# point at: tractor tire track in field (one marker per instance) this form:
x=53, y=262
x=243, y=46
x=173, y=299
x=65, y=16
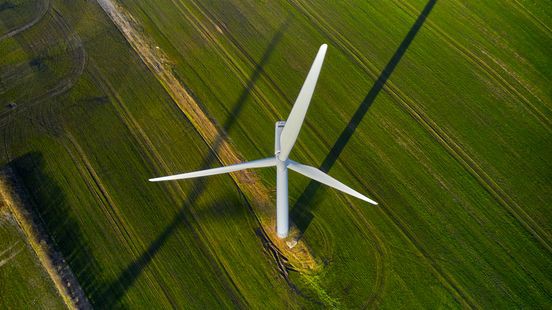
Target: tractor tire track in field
x=79, y=55
x=44, y=6
x=10, y=253
x=434, y=130
x=260, y=97
x=483, y=66
x=155, y=160
x=530, y=16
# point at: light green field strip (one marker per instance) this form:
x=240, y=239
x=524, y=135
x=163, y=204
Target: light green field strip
x=537, y=12
x=474, y=187
x=449, y=143
x=542, y=116
x=23, y=281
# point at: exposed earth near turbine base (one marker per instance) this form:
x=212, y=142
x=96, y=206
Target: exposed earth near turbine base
x=438, y=110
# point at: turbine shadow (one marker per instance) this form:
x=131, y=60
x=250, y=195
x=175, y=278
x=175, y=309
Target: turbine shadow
x=302, y=213
x=115, y=290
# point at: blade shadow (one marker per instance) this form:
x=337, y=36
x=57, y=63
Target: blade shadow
x=302, y=212
x=112, y=292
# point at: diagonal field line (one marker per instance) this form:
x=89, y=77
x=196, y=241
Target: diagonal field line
x=255, y=191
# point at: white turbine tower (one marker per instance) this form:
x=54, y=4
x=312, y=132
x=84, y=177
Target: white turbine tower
x=286, y=134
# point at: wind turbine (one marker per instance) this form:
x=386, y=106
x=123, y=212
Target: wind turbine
x=286, y=134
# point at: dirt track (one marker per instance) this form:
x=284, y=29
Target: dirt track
x=15, y=197
x=258, y=195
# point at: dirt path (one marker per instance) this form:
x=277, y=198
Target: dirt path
x=257, y=194
x=14, y=195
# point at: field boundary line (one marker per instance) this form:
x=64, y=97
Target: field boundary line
x=438, y=134
x=41, y=14
x=539, y=23
x=14, y=195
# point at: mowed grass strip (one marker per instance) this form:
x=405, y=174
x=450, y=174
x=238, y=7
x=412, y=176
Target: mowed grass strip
x=440, y=181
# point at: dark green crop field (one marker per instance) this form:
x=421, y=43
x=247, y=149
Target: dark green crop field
x=439, y=110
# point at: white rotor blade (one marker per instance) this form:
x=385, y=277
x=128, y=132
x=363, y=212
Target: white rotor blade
x=297, y=114
x=320, y=176
x=260, y=163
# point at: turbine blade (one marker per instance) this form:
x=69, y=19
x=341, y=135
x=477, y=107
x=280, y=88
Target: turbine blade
x=320, y=176
x=297, y=114
x=260, y=163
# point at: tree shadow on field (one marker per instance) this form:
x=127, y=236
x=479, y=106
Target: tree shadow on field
x=49, y=208
x=302, y=213
x=112, y=293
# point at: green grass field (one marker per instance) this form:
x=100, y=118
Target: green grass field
x=439, y=110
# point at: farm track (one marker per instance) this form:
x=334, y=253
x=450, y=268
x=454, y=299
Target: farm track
x=261, y=97
x=79, y=55
x=258, y=195
x=155, y=159
x=434, y=130
x=481, y=64
x=17, y=200
x=45, y=5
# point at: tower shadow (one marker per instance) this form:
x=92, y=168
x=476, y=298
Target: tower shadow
x=111, y=293
x=302, y=213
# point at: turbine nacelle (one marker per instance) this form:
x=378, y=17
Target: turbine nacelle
x=278, y=130
x=286, y=133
